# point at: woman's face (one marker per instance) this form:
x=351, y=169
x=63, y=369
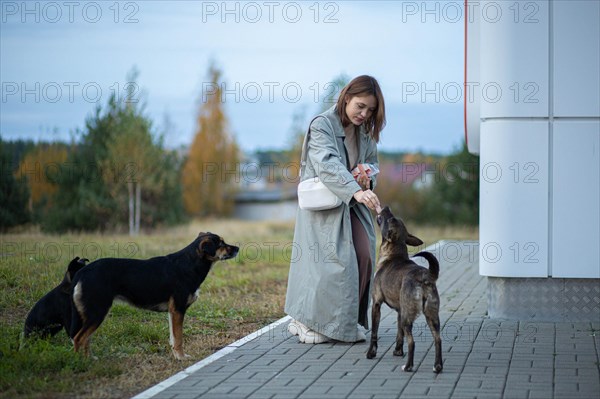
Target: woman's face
x=360, y=108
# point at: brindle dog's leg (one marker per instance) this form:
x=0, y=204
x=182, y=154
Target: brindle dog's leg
x=434, y=325
x=407, y=326
x=431, y=311
x=399, y=350
x=375, y=316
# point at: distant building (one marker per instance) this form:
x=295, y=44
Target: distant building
x=266, y=192
x=418, y=175
x=273, y=204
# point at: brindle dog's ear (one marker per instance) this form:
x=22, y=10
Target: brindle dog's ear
x=207, y=246
x=413, y=241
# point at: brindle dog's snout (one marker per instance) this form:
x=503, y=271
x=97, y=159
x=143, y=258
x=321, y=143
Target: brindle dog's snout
x=384, y=215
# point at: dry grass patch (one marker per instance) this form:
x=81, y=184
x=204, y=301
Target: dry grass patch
x=237, y=298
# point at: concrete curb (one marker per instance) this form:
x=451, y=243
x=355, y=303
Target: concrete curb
x=161, y=386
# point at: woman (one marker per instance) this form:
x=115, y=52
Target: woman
x=334, y=250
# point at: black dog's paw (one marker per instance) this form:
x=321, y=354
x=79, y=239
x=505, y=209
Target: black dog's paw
x=437, y=368
x=407, y=368
x=371, y=354
x=399, y=352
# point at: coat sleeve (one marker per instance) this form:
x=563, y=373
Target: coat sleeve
x=326, y=162
x=373, y=158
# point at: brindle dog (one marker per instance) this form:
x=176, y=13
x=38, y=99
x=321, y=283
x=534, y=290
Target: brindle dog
x=405, y=287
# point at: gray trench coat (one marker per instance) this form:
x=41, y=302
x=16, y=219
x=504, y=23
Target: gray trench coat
x=323, y=291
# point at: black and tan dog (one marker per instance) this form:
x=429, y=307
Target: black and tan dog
x=406, y=287
x=53, y=311
x=165, y=284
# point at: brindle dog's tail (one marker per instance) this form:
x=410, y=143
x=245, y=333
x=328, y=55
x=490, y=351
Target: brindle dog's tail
x=434, y=265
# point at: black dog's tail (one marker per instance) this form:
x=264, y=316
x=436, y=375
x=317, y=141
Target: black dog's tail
x=434, y=265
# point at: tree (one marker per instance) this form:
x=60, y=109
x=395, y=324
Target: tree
x=331, y=91
x=211, y=169
x=102, y=186
x=454, y=197
x=298, y=131
x=39, y=169
x=13, y=194
x=131, y=158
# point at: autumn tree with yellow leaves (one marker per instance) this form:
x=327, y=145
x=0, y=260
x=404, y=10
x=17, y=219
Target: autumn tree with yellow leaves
x=40, y=168
x=210, y=175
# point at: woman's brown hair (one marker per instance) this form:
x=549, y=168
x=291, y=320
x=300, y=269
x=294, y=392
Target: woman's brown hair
x=364, y=85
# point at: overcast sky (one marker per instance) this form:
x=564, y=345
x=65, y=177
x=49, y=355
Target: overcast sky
x=59, y=60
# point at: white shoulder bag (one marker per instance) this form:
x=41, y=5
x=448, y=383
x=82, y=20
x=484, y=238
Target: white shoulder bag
x=313, y=195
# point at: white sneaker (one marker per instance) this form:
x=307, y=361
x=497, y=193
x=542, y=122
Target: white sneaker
x=313, y=337
x=293, y=327
x=360, y=336
x=305, y=334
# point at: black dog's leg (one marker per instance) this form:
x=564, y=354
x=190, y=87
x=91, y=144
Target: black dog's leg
x=66, y=317
x=91, y=322
x=407, y=326
x=90, y=307
x=76, y=322
x=434, y=325
x=81, y=341
x=399, y=350
x=176, y=316
x=375, y=316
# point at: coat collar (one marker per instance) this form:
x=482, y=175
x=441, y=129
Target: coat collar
x=336, y=123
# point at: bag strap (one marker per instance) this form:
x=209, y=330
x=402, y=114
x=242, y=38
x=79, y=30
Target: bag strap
x=305, y=143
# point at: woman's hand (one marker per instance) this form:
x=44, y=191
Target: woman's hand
x=369, y=198
x=361, y=176
x=363, y=181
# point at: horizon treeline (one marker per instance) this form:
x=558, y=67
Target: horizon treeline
x=119, y=175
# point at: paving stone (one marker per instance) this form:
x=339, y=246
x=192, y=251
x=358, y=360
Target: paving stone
x=483, y=358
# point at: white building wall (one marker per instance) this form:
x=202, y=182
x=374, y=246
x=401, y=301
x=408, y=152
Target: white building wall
x=539, y=139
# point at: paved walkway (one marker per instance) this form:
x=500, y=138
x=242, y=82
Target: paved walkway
x=483, y=358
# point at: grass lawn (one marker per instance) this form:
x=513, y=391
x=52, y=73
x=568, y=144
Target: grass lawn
x=131, y=347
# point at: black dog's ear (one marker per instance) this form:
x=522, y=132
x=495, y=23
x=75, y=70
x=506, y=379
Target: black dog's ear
x=74, y=266
x=207, y=246
x=413, y=241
